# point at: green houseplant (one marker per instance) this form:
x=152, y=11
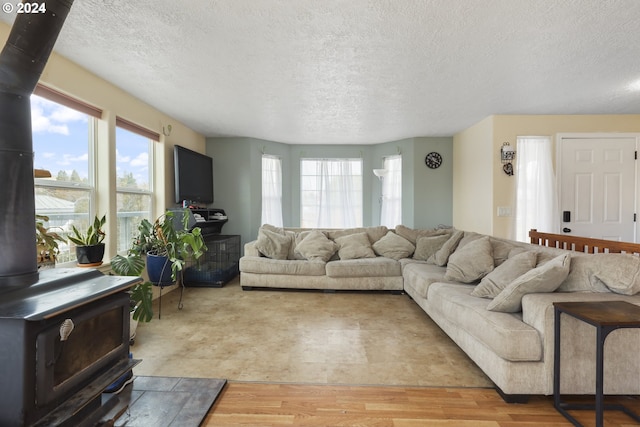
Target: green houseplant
x=46, y=243
x=167, y=238
x=89, y=246
x=172, y=241
x=141, y=295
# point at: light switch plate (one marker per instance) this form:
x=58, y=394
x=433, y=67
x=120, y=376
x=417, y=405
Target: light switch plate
x=504, y=210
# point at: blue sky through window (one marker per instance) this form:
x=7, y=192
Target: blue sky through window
x=60, y=138
x=61, y=143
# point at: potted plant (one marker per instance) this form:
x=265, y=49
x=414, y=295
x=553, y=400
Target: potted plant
x=141, y=295
x=89, y=246
x=167, y=244
x=46, y=243
x=171, y=241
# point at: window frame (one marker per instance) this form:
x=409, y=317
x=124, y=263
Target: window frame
x=93, y=115
x=152, y=138
x=357, y=221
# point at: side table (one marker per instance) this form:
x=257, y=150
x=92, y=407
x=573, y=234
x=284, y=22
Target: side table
x=606, y=316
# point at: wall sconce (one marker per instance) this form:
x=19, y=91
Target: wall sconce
x=507, y=155
x=380, y=173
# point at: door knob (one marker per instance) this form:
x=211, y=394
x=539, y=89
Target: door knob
x=566, y=230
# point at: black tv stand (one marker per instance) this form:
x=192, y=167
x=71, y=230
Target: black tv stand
x=212, y=222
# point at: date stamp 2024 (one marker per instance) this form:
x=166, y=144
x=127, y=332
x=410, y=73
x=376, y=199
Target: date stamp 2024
x=30, y=7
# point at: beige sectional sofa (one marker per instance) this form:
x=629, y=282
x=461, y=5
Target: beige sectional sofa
x=493, y=297
x=294, y=271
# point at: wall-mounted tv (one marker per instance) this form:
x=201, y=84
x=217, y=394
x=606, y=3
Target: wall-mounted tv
x=193, y=176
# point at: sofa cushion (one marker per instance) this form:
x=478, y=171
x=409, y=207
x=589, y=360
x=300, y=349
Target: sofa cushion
x=365, y=267
x=493, y=283
x=413, y=235
x=261, y=265
x=442, y=255
x=427, y=246
x=274, y=245
x=504, y=333
x=355, y=246
x=316, y=246
x=546, y=278
x=470, y=262
x=393, y=246
x=420, y=276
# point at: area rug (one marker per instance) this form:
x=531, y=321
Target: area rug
x=354, y=338
x=165, y=402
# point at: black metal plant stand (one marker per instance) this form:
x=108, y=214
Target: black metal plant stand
x=180, y=301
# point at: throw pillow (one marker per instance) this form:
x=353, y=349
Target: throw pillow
x=581, y=276
x=442, y=255
x=621, y=273
x=393, y=246
x=427, y=246
x=299, y=237
x=280, y=230
x=468, y=237
x=316, y=247
x=273, y=245
x=374, y=233
x=493, y=283
x=502, y=250
x=471, y=262
x=355, y=246
x=413, y=235
x=545, y=278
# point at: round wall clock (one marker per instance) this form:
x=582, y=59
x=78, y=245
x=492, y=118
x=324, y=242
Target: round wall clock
x=433, y=160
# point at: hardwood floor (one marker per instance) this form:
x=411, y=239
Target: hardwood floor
x=259, y=404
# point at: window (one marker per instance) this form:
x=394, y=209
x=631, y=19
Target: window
x=63, y=141
x=134, y=189
x=331, y=193
x=271, y=191
x=391, y=206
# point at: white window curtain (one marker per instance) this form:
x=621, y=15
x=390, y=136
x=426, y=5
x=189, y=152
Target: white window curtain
x=536, y=194
x=272, y=191
x=391, y=199
x=331, y=193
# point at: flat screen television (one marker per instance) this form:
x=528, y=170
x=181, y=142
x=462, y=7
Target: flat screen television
x=193, y=176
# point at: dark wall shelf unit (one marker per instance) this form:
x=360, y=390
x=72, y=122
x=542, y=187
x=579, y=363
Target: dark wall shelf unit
x=210, y=221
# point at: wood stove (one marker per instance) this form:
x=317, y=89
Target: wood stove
x=51, y=376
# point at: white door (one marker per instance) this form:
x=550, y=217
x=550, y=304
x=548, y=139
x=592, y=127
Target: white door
x=598, y=187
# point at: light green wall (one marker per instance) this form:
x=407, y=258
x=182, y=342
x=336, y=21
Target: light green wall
x=426, y=193
x=232, y=182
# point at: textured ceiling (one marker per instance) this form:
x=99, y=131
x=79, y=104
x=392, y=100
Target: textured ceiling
x=358, y=71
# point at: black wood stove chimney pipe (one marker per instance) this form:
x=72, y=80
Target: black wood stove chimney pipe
x=22, y=61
